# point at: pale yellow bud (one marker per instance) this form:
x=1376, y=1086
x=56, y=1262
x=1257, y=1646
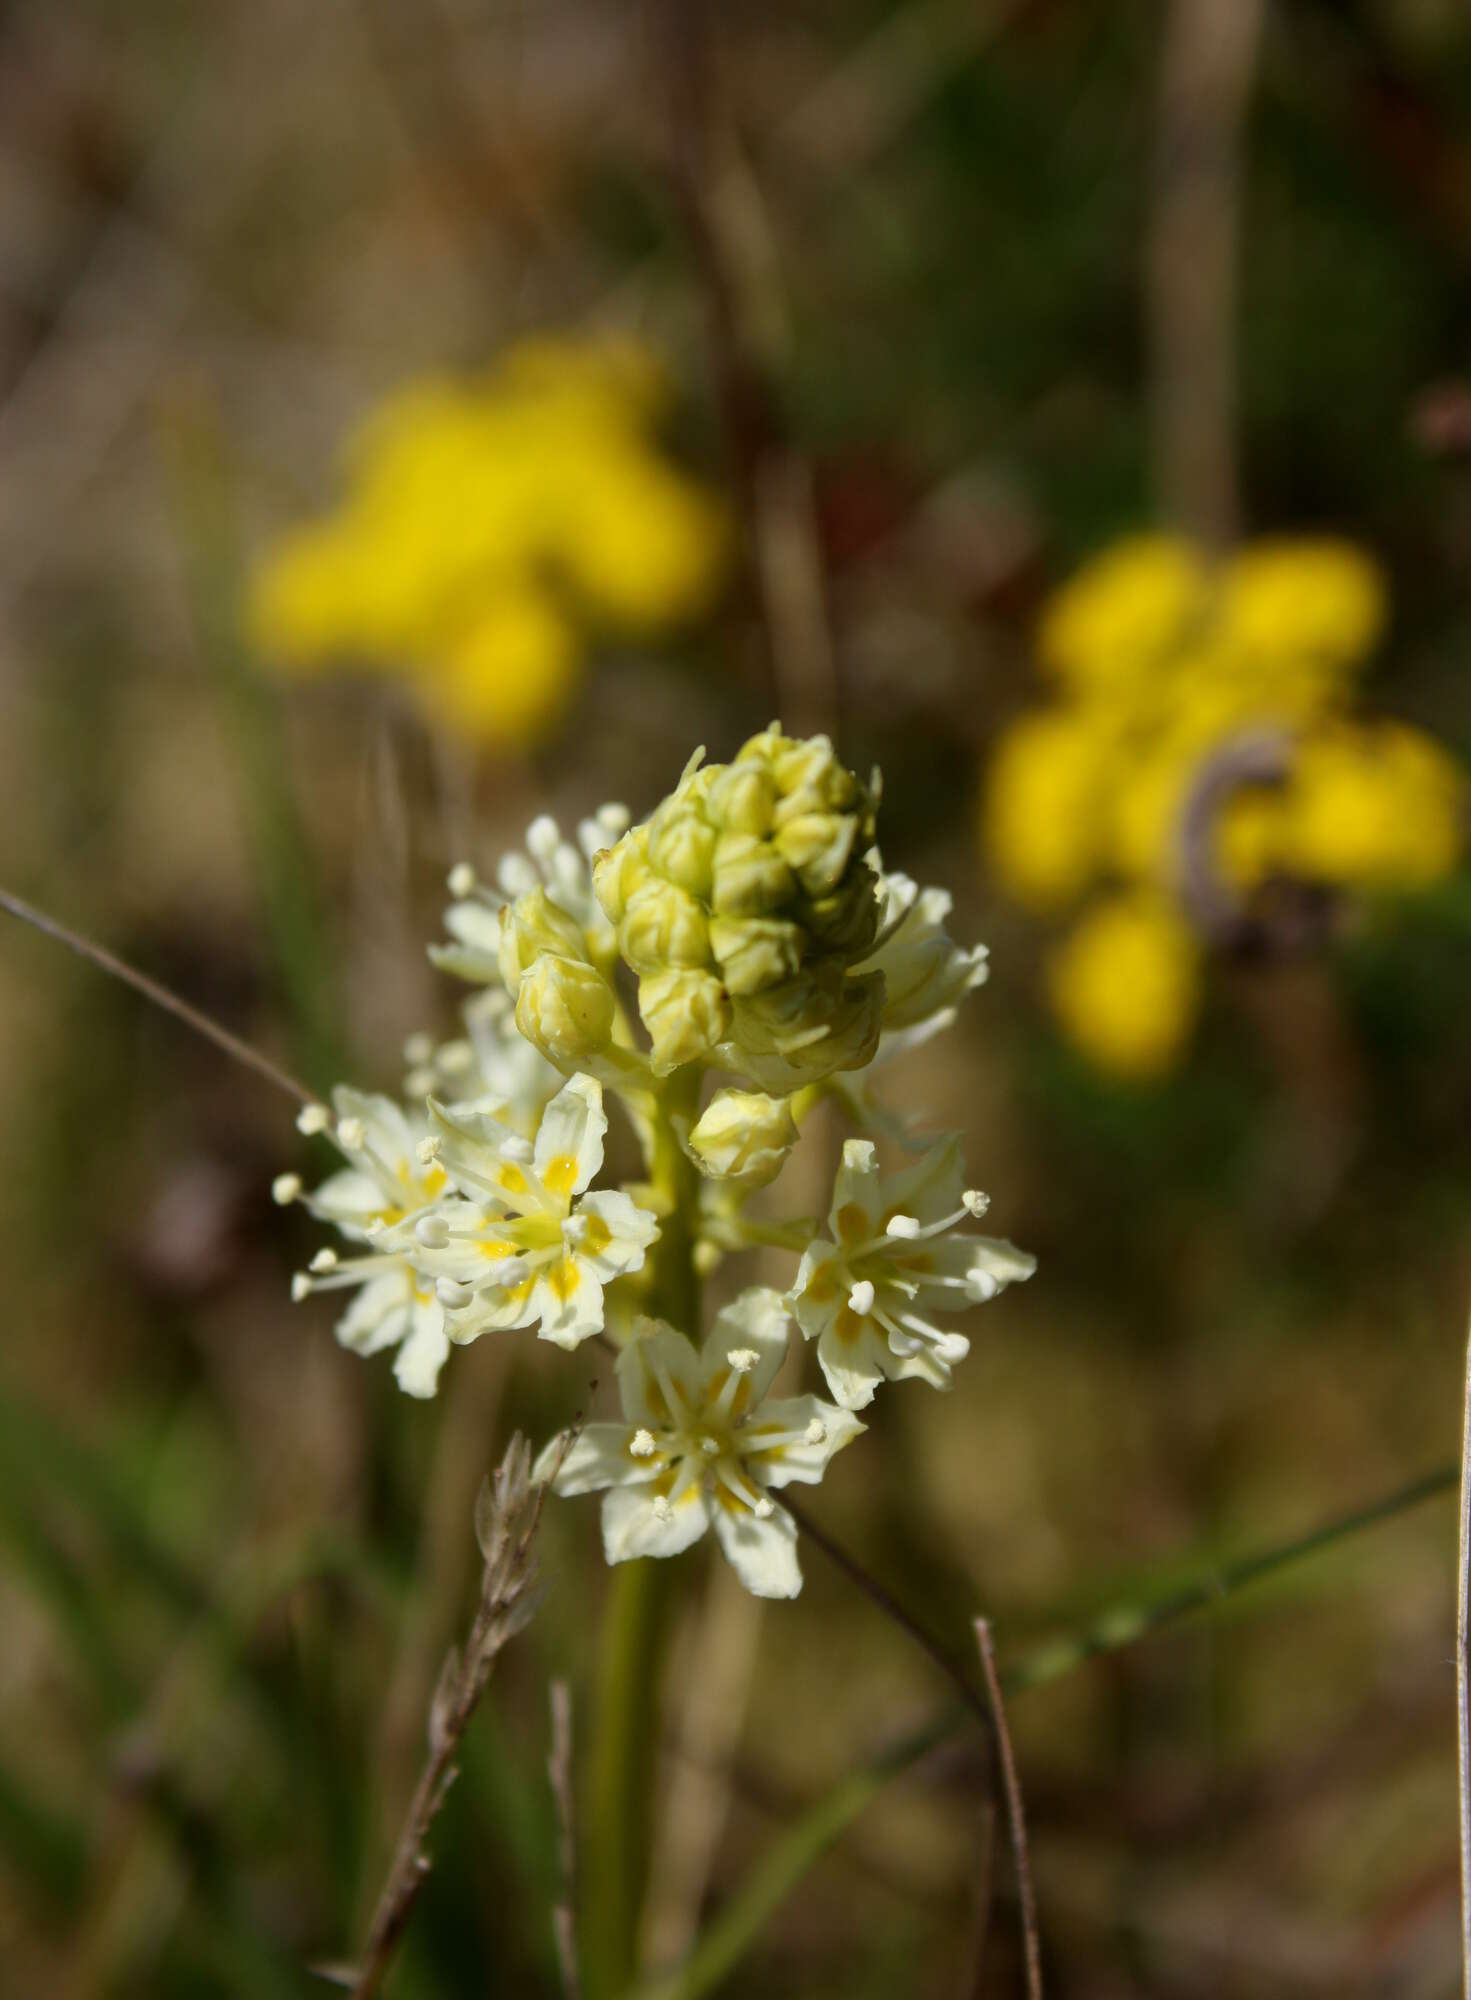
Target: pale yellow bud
x=755, y=952
x=814, y=1024
x=532, y=926
x=686, y=1013
x=565, y=1008
x=617, y=871
x=743, y=1134
x=743, y=797
x=818, y=846
x=681, y=848
x=663, y=927
x=751, y=879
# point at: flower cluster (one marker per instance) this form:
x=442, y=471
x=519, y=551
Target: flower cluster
x=489, y=527
x=746, y=930
x=1167, y=668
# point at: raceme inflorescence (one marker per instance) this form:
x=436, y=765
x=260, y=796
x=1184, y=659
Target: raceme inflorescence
x=715, y=972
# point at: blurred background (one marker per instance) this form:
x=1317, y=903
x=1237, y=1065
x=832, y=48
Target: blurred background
x=417, y=417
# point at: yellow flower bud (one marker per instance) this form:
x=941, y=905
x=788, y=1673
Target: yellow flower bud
x=686, y=1013
x=821, y=1021
x=565, y=1008
x=818, y=846
x=754, y=952
x=532, y=926
x=749, y=879
x=681, y=848
x=664, y=926
x=743, y=1134
x=617, y=871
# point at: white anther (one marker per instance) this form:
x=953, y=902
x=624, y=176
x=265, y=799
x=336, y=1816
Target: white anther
x=574, y=1231
x=419, y=1083
x=301, y=1286
x=710, y=1445
x=463, y=880
x=613, y=819
x=515, y=875
x=642, y=1445
x=313, y=1118
x=419, y=1049
x=427, y=1150
x=285, y=1188
x=512, y=1271
x=860, y=1299
x=325, y=1260
x=662, y=1509
x=351, y=1133
x=543, y=837
x=816, y=1432
x=975, y=1203
x=763, y=1510
x=743, y=1359
x=515, y=1149
x=983, y=1286
x=905, y=1226
x=432, y=1231
x=452, y=1295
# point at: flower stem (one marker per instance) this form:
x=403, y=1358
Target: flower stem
x=625, y=1723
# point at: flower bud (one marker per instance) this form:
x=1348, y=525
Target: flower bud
x=663, y=926
x=814, y=1024
x=755, y=952
x=743, y=1134
x=750, y=877
x=686, y=1013
x=565, y=1008
x=681, y=848
x=818, y=847
x=534, y=925
x=618, y=870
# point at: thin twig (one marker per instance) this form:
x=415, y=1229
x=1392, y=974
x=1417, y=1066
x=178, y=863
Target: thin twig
x=731, y=240
x=160, y=996
x=1015, y=1812
x=1209, y=59
x=506, y=1517
x=1463, y=1685
x=891, y=1608
x=559, y=1775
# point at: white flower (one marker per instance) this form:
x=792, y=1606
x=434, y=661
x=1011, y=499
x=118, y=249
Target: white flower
x=926, y=974
x=526, y=1243
x=702, y=1445
x=550, y=862
x=490, y=1068
x=895, y=1259
x=387, y=1184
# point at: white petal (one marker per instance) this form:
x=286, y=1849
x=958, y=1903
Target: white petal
x=350, y=1199
x=424, y=1350
x=806, y=1461
x=658, y=1377
x=494, y=1309
x=820, y=1290
x=855, y=1191
x=381, y=1314
x=631, y=1230
x=632, y=1526
x=569, y=1145
x=763, y=1554
x=932, y=1187
x=757, y=1320
x=854, y=1367
x=994, y=1264
x=599, y=1457
x=571, y=1311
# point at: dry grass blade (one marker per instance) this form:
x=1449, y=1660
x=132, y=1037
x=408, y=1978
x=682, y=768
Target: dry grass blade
x=559, y=1774
x=507, y=1512
x=1015, y=1812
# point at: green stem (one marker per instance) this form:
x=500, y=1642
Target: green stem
x=625, y=1728
x=784, y=1864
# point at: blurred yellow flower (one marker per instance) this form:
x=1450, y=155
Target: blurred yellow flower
x=493, y=527
x=1164, y=663
x=1125, y=984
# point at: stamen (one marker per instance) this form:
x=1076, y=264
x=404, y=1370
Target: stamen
x=432, y=1231
x=455, y=1058
x=816, y=1432
x=419, y=1049
x=906, y=1227
x=642, y=1445
x=463, y=880
x=860, y=1299
x=763, y=1509
x=543, y=837
x=743, y=1359
x=301, y=1287
x=662, y=1509
x=419, y=1083
x=351, y=1133
x=427, y=1151
x=452, y=1295
x=613, y=819
x=285, y=1188
x=516, y=875
x=325, y=1260
x=975, y=1202
x=312, y=1119
x=515, y=1149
